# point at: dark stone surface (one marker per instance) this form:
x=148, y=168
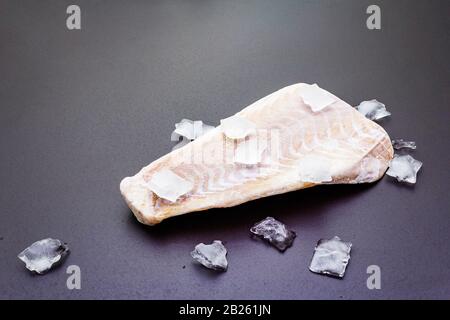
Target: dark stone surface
x=82, y=109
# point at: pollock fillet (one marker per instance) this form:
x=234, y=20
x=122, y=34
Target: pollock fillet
x=303, y=148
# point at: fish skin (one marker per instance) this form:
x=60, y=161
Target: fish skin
x=358, y=150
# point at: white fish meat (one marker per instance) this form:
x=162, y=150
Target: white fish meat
x=303, y=145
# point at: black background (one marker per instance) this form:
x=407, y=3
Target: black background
x=80, y=110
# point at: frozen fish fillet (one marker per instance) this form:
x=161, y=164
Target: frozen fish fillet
x=303, y=146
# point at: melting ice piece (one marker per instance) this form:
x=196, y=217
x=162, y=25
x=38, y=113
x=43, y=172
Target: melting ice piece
x=274, y=232
x=404, y=168
x=331, y=257
x=400, y=144
x=315, y=169
x=44, y=254
x=168, y=185
x=373, y=109
x=237, y=127
x=212, y=256
x=316, y=97
x=250, y=151
x=188, y=130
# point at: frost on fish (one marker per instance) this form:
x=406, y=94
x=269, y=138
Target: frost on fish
x=44, y=254
x=237, y=127
x=331, y=257
x=404, y=168
x=188, y=131
x=212, y=256
x=302, y=149
x=275, y=232
x=316, y=97
x=373, y=109
x=402, y=144
x=167, y=185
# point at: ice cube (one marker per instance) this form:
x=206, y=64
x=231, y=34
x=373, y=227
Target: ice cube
x=237, y=127
x=188, y=130
x=400, y=144
x=373, y=109
x=168, y=185
x=44, y=254
x=404, y=168
x=275, y=232
x=212, y=256
x=316, y=97
x=331, y=257
x=206, y=128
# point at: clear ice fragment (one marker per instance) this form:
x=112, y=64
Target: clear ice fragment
x=206, y=128
x=168, y=185
x=237, y=127
x=316, y=97
x=331, y=257
x=404, y=168
x=44, y=254
x=188, y=131
x=212, y=256
x=275, y=232
x=400, y=144
x=373, y=109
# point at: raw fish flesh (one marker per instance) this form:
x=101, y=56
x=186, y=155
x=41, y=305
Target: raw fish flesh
x=305, y=135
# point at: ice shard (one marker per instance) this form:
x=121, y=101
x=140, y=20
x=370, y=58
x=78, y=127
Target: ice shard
x=404, y=168
x=275, y=232
x=212, y=256
x=44, y=254
x=402, y=144
x=188, y=130
x=331, y=257
x=373, y=109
